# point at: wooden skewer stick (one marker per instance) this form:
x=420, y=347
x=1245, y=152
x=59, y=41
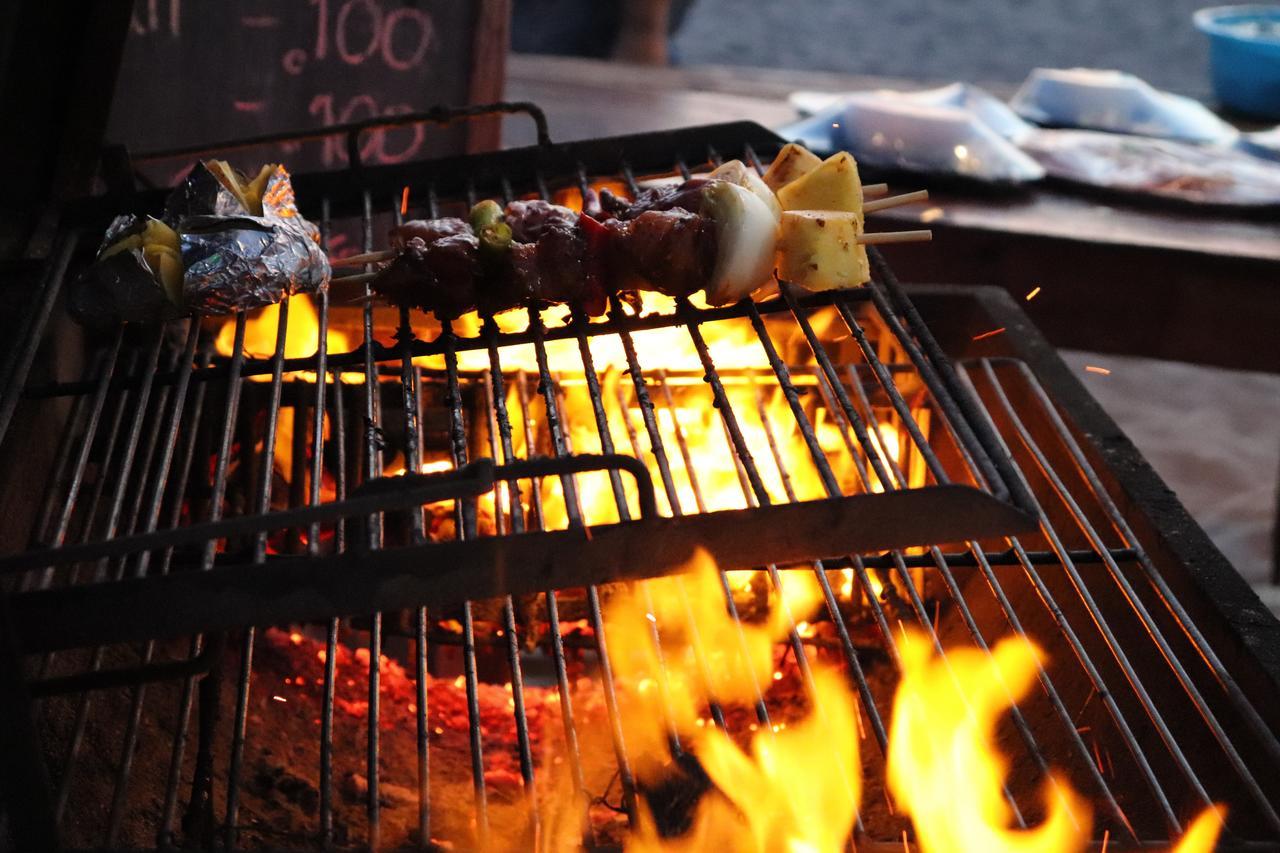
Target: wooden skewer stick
x=366, y=258
x=345, y=280
x=874, y=190
x=895, y=201
x=895, y=237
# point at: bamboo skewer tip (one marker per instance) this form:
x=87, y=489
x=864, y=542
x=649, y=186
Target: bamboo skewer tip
x=880, y=237
x=896, y=201
x=363, y=258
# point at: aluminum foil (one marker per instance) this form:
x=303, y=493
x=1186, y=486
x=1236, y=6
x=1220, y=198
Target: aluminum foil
x=236, y=262
x=121, y=288
x=232, y=260
x=202, y=194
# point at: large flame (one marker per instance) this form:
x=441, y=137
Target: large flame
x=946, y=772
x=944, y=768
x=778, y=791
x=300, y=341
x=773, y=796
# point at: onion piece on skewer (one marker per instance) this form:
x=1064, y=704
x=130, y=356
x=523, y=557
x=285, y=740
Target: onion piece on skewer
x=737, y=172
x=746, y=239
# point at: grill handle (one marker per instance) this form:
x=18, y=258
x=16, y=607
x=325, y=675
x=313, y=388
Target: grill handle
x=441, y=115
x=380, y=495
x=352, y=130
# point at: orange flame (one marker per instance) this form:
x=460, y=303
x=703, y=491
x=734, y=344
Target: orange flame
x=1202, y=835
x=300, y=340
x=944, y=768
x=774, y=797
x=946, y=772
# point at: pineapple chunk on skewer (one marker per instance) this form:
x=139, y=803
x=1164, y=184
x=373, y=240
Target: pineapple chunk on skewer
x=793, y=162
x=834, y=185
x=819, y=250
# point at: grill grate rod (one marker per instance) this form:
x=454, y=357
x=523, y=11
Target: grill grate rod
x=109, y=526
x=107, y=365
x=262, y=496
x=159, y=482
x=982, y=561
x=1188, y=625
x=1202, y=708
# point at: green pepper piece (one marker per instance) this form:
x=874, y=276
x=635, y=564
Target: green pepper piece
x=485, y=214
x=495, y=239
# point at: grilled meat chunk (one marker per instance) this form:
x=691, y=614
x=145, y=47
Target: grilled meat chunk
x=671, y=251
x=427, y=230
x=685, y=196
x=438, y=277
x=529, y=220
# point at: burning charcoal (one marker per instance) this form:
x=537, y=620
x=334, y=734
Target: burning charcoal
x=390, y=795
x=276, y=780
x=674, y=800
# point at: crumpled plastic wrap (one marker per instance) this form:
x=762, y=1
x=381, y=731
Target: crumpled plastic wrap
x=942, y=131
x=1097, y=99
x=121, y=288
x=963, y=131
x=1158, y=167
x=232, y=260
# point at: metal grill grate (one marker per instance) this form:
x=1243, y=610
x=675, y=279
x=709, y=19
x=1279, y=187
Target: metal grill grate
x=158, y=436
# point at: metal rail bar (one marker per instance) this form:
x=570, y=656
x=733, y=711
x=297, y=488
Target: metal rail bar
x=1166, y=652
x=976, y=552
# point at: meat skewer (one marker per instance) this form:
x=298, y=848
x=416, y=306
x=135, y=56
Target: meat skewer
x=718, y=233
x=534, y=252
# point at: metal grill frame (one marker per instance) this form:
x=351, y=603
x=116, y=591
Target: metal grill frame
x=984, y=559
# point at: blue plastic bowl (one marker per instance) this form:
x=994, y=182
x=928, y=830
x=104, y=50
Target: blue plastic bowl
x=1244, y=56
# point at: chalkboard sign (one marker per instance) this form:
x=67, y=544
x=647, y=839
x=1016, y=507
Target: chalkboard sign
x=196, y=73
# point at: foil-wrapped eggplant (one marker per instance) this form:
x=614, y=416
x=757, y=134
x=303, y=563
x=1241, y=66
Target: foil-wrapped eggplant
x=226, y=243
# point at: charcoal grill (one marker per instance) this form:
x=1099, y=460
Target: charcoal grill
x=169, y=536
